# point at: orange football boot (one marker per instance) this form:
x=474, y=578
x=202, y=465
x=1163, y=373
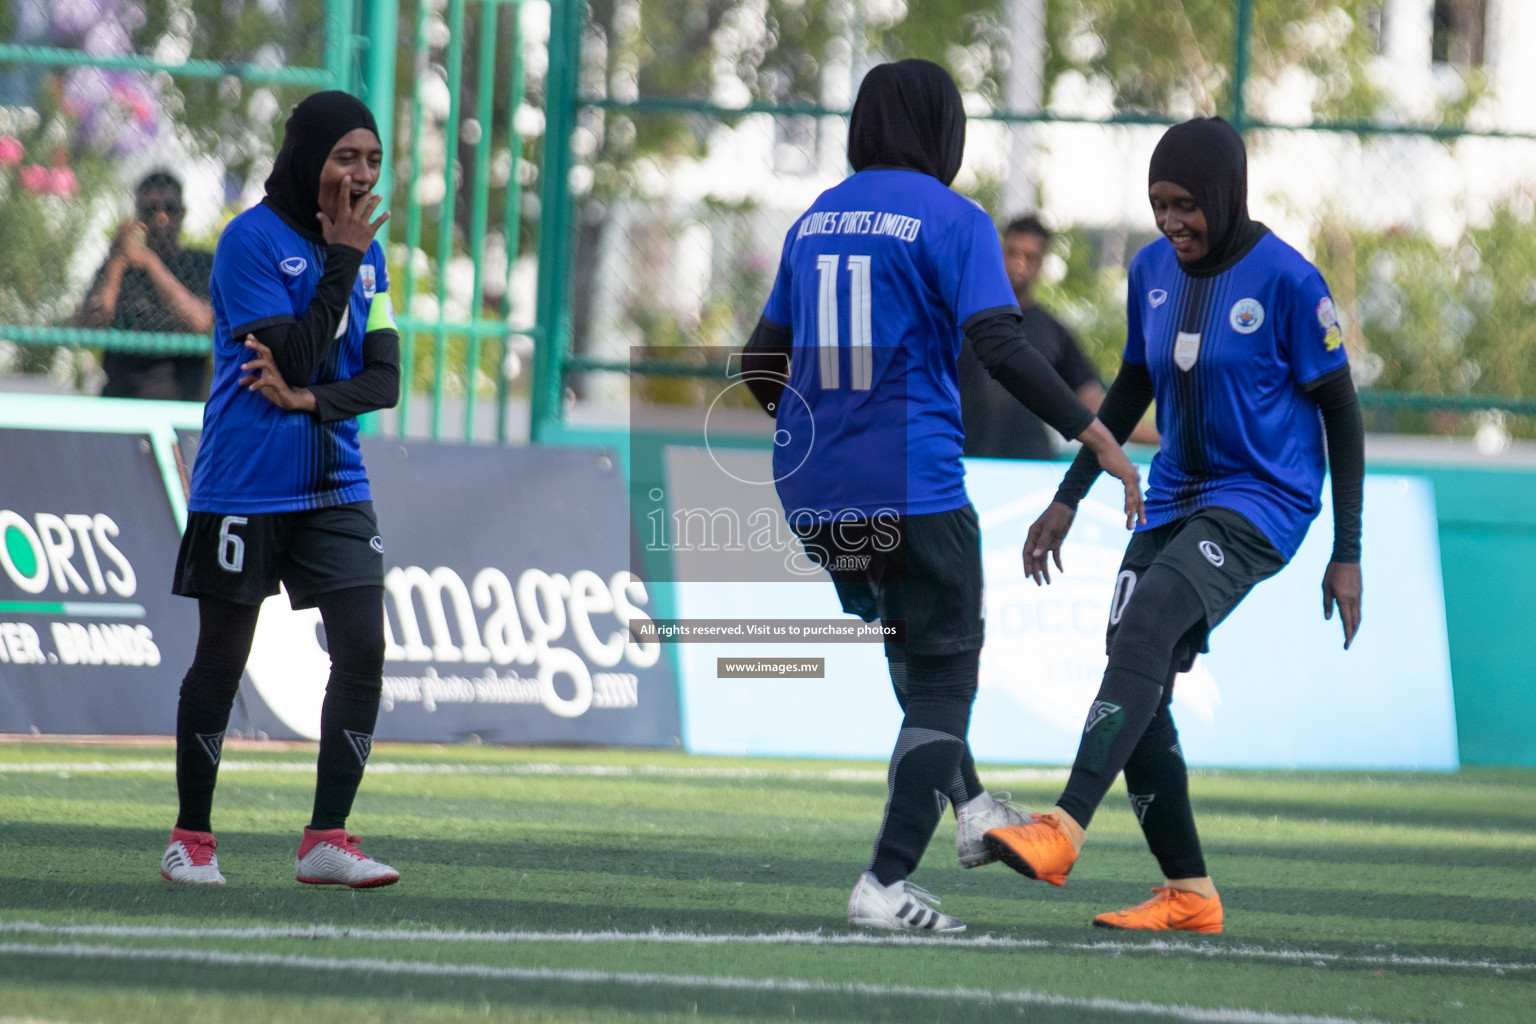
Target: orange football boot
x=1039, y=849
x=1170, y=910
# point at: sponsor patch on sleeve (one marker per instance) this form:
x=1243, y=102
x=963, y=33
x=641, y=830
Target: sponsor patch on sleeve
x=1332, y=337
x=1326, y=317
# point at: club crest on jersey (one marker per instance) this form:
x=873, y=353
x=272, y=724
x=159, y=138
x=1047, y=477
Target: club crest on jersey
x=1186, y=349
x=1157, y=296
x=293, y=266
x=365, y=274
x=1247, y=316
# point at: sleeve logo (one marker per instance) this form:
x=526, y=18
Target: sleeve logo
x=366, y=275
x=293, y=266
x=1157, y=297
x=1326, y=316
x=1328, y=319
x=1247, y=316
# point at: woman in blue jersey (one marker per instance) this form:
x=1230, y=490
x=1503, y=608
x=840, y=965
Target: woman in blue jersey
x=304, y=342
x=1234, y=334
x=878, y=282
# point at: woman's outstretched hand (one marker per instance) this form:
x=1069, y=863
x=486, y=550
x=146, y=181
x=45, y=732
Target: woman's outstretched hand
x=1342, y=586
x=1043, y=542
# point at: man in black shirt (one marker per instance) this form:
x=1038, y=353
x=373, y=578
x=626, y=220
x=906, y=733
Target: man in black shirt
x=150, y=283
x=997, y=426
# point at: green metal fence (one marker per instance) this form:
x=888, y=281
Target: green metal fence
x=574, y=182
x=447, y=80
x=1355, y=106
x=56, y=125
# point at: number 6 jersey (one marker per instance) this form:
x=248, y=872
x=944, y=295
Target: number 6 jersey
x=876, y=280
x=255, y=457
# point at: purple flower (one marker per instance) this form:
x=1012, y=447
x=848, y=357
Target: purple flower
x=116, y=111
x=71, y=19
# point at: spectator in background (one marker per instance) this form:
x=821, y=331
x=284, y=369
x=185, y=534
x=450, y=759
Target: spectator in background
x=997, y=425
x=150, y=283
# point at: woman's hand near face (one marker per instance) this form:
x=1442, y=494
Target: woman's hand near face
x=351, y=226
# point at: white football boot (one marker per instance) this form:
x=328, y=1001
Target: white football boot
x=189, y=859
x=331, y=857
x=976, y=817
x=901, y=906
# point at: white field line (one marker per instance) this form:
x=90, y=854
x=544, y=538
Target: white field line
x=419, y=968
x=1165, y=947
x=532, y=768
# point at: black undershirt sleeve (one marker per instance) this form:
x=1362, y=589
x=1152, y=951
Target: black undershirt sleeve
x=302, y=347
x=1123, y=407
x=998, y=338
x=1335, y=396
x=376, y=386
x=765, y=362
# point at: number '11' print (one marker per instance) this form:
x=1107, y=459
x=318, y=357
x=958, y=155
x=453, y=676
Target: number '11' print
x=861, y=356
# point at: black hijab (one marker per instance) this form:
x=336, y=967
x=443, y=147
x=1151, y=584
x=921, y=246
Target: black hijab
x=313, y=129
x=908, y=115
x=1206, y=158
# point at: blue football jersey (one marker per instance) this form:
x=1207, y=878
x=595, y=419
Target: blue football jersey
x=255, y=457
x=874, y=281
x=1228, y=356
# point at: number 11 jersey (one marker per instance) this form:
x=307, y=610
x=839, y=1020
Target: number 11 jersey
x=876, y=280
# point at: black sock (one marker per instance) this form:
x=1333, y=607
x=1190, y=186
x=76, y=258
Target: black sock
x=354, y=629
x=924, y=770
x=970, y=783
x=925, y=773
x=1125, y=704
x=225, y=630
x=1162, y=608
x=1158, y=785
x=896, y=661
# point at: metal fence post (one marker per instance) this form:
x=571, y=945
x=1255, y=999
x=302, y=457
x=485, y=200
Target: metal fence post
x=1242, y=43
x=339, y=19
x=419, y=60
x=553, y=316
x=381, y=24
x=513, y=213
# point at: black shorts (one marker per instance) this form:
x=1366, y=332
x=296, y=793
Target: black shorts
x=1220, y=553
x=243, y=558
x=924, y=571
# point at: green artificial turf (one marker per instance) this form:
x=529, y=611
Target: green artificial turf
x=635, y=886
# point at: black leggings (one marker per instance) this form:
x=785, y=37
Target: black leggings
x=354, y=628
x=1142, y=661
